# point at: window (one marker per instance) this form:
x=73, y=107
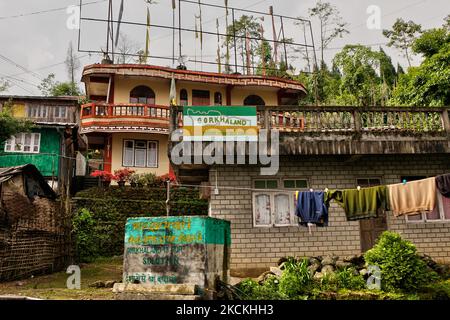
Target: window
x=273, y=207
x=440, y=214
x=183, y=97
x=200, y=98
x=142, y=94
x=36, y=111
x=217, y=99
x=368, y=182
x=24, y=143
x=60, y=112
x=254, y=100
x=295, y=184
x=140, y=153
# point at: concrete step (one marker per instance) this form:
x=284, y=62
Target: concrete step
x=155, y=296
x=172, y=289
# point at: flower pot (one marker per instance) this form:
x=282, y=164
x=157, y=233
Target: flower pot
x=106, y=184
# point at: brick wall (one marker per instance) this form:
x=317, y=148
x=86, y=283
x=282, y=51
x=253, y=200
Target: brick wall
x=258, y=248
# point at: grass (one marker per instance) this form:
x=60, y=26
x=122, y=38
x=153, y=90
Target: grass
x=53, y=286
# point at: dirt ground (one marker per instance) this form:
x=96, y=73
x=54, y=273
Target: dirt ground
x=54, y=287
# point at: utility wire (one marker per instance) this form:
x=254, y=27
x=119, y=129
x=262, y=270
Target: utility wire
x=46, y=11
x=6, y=59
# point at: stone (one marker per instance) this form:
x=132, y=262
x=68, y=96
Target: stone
x=342, y=264
x=357, y=260
x=363, y=272
x=329, y=260
x=313, y=268
x=327, y=269
x=19, y=283
x=263, y=277
x=110, y=283
x=276, y=271
x=282, y=266
x=318, y=275
x=97, y=284
x=314, y=261
x=281, y=261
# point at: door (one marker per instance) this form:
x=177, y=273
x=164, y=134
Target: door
x=371, y=229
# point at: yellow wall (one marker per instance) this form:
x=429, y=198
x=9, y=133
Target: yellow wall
x=18, y=110
x=124, y=85
x=117, y=146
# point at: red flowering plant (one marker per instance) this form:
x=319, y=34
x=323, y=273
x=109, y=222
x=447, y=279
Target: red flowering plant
x=123, y=175
x=103, y=175
x=161, y=180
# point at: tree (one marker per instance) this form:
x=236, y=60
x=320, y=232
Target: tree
x=50, y=87
x=245, y=27
x=9, y=125
x=72, y=65
x=429, y=83
x=331, y=24
x=125, y=49
x=360, y=83
x=402, y=36
x=447, y=23
x=3, y=86
x=387, y=69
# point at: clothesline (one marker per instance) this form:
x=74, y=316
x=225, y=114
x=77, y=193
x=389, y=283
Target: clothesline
x=405, y=198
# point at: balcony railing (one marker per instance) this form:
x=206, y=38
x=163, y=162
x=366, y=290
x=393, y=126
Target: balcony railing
x=317, y=119
x=102, y=110
x=102, y=117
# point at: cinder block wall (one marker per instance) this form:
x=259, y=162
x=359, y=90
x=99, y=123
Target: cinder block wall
x=254, y=249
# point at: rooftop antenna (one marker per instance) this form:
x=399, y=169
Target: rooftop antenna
x=275, y=39
x=227, y=56
x=174, y=7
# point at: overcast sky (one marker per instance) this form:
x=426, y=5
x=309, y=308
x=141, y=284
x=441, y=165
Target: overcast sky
x=34, y=35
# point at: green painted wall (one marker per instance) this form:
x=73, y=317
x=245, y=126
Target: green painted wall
x=47, y=160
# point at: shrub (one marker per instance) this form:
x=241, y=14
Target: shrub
x=347, y=279
x=122, y=175
x=103, y=175
x=83, y=227
x=296, y=279
x=400, y=265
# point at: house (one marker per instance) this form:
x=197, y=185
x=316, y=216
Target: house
x=50, y=144
x=127, y=120
x=33, y=230
x=336, y=148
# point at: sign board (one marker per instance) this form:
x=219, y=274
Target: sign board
x=176, y=250
x=220, y=123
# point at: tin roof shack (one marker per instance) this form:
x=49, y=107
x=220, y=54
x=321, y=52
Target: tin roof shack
x=33, y=229
x=326, y=147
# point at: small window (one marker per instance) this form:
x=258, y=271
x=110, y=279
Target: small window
x=36, y=111
x=183, y=97
x=60, y=112
x=142, y=94
x=295, y=184
x=217, y=99
x=254, y=100
x=368, y=182
x=24, y=143
x=140, y=153
x=266, y=184
x=262, y=209
x=273, y=209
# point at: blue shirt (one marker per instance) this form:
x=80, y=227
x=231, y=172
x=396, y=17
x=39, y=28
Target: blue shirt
x=312, y=208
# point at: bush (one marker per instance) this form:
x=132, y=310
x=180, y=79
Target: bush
x=400, y=265
x=296, y=279
x=347, y=279
x=269, y=290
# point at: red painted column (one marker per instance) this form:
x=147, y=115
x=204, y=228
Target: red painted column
x=107, y=158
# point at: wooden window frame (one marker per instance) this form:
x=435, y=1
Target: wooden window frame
x=13, y=143
x=147, y=143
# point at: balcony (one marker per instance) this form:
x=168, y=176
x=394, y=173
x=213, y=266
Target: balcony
x=144, y=118
x=322, y=130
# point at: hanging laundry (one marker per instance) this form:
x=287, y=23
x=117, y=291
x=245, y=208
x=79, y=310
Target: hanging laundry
x=312, y=208
x=443, y=184
x=412, y=197
x=361, y=204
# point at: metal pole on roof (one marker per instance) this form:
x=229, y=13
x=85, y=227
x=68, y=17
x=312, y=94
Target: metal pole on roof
x=179, y=28
x=234, y=39
x=284, y=42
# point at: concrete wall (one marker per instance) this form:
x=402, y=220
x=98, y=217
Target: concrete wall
x=117, y=147
x=256, y=248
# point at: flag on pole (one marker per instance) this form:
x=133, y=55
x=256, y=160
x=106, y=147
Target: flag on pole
x=119, y=22
x=147, y=38
x=173, y=92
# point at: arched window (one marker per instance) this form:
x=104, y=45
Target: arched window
x=183, y=97
x=142, y=94
x=217, y=99
x=254, y=100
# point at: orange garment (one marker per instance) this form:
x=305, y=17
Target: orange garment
x=413, y=197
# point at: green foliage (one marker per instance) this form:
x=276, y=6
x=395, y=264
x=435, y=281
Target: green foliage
x=269, y=290
x=348, y=279
x=428, y=84
x=101, y=215
x=9, y=125
x=402, y=36
x=296, y=279
x=401, y=267
x=50, y=87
